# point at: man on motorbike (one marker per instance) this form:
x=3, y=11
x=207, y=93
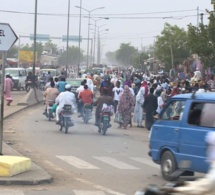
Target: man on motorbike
x=86, y=97
x=104, y=99
x=50, y=94
x=63, y=98
x=29, y=79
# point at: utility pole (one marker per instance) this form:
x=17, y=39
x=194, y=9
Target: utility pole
x=202, y=15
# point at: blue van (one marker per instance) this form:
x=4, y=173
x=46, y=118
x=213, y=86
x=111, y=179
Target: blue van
x=177, y=138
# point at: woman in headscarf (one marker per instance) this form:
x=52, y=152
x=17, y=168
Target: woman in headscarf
x=8, y=86
x=145, y=86
x=138, y=110
x=125, y=106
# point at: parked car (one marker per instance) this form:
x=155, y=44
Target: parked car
x=75, y=83
x=177, y=138
x=18, y=76
x=54, y=72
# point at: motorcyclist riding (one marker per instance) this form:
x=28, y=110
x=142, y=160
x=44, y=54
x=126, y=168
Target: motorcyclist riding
x=86, y=96
x=104, y=99
x=30, y=77
x=50, y=94
x=63, y=98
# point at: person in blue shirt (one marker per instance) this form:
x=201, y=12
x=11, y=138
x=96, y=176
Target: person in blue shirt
x=61, y=85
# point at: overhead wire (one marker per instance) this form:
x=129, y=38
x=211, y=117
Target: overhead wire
x=112, y=16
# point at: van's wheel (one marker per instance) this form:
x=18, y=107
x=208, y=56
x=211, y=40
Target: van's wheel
x=168, y=166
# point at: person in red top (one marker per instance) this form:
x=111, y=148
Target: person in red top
x=86, y=96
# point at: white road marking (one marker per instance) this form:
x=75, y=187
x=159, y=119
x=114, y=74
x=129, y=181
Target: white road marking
x=98, y=187
x=11, y=192
x=115, y=163
x=146, y=161
x=52, y=165
x=82, y=192
x=76, y=162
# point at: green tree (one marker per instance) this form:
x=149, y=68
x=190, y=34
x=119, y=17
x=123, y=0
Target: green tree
x=49, y=46
x=13, y=52
x=139, y=58
x=171, y=46
x=125, y=53
x=111, y=57
x=202, y=40
x=73, y=54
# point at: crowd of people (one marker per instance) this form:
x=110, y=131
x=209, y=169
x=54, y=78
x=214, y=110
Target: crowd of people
x=139, y=96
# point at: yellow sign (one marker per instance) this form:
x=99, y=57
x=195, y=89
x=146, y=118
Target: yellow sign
x=26, y=56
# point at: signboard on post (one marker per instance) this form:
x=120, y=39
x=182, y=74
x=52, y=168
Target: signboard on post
x=26, y=56
x=71, y=38
x=40, y=37
x=7, y=39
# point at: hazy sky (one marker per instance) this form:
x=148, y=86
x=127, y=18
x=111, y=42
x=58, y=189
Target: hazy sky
x=134, y=21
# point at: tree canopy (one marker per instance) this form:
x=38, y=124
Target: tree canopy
x=171, y=46
x=202, y=40
x=125, y=53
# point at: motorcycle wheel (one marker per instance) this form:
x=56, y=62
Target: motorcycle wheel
x=104, y=129
x=85, y=119
x=66, y=126
x=100, y=127
x=50, y=116
x=28, y=87
x=42, y=86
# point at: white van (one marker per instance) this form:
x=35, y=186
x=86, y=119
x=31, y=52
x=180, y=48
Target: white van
x=18, y=75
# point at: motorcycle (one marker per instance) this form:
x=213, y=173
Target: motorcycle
x=104, y=122
x=28, y=85
x=105, y=115
x=167, y=189
x=65, y=118
x=49, y=113
x=42, y=85
x=87, y=113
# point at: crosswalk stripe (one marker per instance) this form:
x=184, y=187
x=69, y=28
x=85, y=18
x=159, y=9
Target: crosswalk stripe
x=115, y=163
x=76, y=162
x=82, y=192
x=145, y=162
x=11, y=192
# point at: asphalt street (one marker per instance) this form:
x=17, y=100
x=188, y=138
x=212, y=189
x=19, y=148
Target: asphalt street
x=82, y=161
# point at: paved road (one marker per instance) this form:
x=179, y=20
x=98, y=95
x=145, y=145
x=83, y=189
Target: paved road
x=82, y=162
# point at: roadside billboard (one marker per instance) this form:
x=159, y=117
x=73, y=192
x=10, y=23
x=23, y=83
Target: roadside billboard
x=26, y=56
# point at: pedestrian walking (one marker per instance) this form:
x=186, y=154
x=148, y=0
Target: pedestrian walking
x=8, y=86
x=117, y=92
x=125, y=106
x=150, y=106
x=160, y=101
x=138, y=110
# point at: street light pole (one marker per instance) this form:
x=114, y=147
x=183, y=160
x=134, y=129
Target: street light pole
x=88, y=41
x=35, y=42
x=79, y=41
x=89, y=12
x=67, y=41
